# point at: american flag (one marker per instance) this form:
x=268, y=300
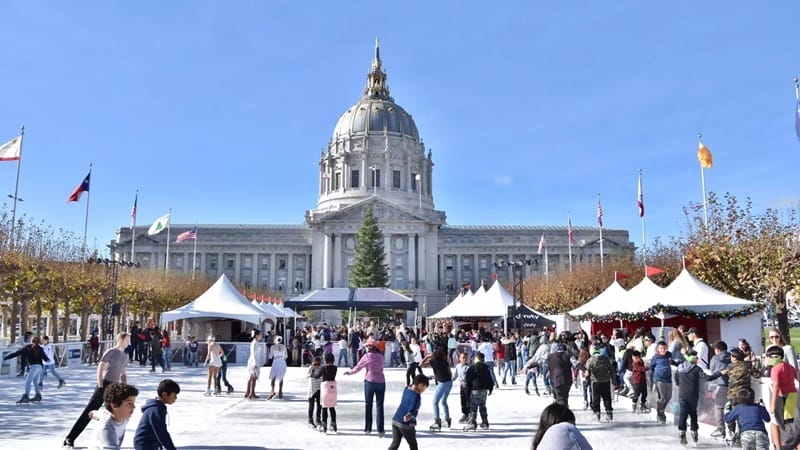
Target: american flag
x=541, y=244
x=187, y=236
x=570, y=233
x=599, y=214
x=640, y=199
x=133, y=211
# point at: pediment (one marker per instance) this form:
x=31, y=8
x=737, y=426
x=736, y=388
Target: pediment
x=384, y=212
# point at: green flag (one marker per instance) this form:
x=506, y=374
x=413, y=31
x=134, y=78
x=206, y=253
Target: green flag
x=159, y=225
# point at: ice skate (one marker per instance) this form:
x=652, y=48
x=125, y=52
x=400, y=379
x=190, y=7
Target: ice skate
x=683, y=438
x=208, y=393
x=585, y=405
x=694, y=436
x=464, y=419
x=471, y=427
x=322, y=428
x=230, y=389
x=634, y=408
x=448, y=421
x=597, y=416
x=333, y=427
x=609, y=416
x=719, y=433
x=36, y=398
x=23, y=400
x=437, y=425
x=61, y=383
x=312, y=425
x=527, y=392
x=484, y=425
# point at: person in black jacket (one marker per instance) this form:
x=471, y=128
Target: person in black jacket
x=560, y=369
x=34, y=355
x=687, y=378
x=479, y=380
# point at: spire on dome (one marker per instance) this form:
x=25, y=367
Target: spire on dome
x=376, y=78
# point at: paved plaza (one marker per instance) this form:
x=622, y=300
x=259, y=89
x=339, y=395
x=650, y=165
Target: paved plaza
x=231, y=422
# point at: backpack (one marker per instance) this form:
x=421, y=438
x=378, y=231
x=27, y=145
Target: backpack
x=602, y=369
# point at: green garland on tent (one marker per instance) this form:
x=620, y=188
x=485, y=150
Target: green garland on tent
x=652, y=313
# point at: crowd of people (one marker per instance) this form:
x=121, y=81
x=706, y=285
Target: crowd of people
x=636, y=365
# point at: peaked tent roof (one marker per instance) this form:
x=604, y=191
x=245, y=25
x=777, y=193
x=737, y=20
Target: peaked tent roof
x=609, y=301
x=454, y=305
x=688, y=292
x=221, y=300
x=346, y=298
x=483, y=303
x=641, y=297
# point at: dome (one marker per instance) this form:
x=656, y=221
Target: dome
x=376, y=111
x=375, y=116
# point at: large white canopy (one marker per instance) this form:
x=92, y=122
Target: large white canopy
x=221, y=300
x=609, y=301
x=690, y=293
x=481, y=303
x=641, y=297
x=454, y=305
x=273, y=309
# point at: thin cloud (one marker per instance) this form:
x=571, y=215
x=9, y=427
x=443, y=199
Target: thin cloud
x=503, y=180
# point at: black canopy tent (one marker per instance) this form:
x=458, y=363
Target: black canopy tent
x=352, y=298
x=528, y=319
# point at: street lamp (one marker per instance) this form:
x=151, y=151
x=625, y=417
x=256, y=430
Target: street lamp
x=110, y=305
x=419, y=189
x=516, y=282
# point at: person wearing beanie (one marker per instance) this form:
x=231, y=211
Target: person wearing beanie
x=687, y=378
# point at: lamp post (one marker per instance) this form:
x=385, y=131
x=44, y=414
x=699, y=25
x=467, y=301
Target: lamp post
x=517, y=276
x=110, y=305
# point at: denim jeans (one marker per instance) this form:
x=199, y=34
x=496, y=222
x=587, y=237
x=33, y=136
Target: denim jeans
x=511, y=366
x=377, y=390
x=52, y=369
x=544, y=371
x=440, y=396
x=34, y=373
x=192, y=358
x=490, y=364
x=167, y=356
x=342, y=356
x=353, y=357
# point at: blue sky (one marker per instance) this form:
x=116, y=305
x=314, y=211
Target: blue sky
x=219, y=110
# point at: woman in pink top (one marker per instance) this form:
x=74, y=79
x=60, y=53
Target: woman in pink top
x=374, y=385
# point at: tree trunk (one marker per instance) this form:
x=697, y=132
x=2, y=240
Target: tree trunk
x=39, y=318
x=54, y=322
x=66, y=319
x=14, y=312
x=23, y=316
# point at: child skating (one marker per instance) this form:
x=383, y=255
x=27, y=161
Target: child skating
x=404, y=421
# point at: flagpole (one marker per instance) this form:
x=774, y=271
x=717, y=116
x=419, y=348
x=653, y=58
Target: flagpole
x=600, y=226
x=169, y=223
x=569, y=239
x=86, y=218
x=796, y=91
x=16, y=189
x=546, y=264
x=133, y=227
x=703, y=183
x=641, y=214
x=194, y=253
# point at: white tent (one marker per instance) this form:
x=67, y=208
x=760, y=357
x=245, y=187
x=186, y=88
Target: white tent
x=688, y=292
x=609, y=301
x=641, y=297
x=454, y=305
x=221, y=300
x=481, y=303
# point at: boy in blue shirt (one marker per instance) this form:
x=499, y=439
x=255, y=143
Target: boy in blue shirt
x=751, y=419
x=152, y=434
x=404, y=421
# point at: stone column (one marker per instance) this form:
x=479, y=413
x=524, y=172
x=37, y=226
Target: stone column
x=317, y=257
x=387, y=257
x=412, y=261
x=273, y=270
x=337, y=261
x=423, y=282
x=289, y=272
x=326, y=261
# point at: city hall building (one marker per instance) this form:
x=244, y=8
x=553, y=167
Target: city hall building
x=375, y=159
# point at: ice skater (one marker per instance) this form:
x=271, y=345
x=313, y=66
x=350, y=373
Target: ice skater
x=34, y=355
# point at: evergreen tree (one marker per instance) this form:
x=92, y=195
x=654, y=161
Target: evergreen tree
x=368, y=269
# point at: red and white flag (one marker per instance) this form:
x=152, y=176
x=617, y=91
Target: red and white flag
x=599, y=214
x=619, y=276
x=11, y=150
x=189, y=235
x=83, y=187
x=570, y=232
x=541, y=244
x=640, y=198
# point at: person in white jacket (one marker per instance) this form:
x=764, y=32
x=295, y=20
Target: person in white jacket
x=49, y=365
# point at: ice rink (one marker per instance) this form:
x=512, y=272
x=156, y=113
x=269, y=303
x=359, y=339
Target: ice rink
x=232, y=422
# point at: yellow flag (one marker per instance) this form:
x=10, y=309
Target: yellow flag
x=704, y=156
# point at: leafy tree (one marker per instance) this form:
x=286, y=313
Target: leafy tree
x=368, y=268
x=750, y=256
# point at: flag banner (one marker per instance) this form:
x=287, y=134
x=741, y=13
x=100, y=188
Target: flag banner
x=650, y=270
x=796, y=121
x=640, y=200
x=11, y=150
x=599, y=214
x=619, y=276
x=541, y=244
x=687, y=262
x=704, y=156
x=570, y=232
x=133, y=212
x=83, y=187
x=159, y=225
x=189, y=235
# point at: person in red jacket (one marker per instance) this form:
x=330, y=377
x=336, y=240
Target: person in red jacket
x=639, y=382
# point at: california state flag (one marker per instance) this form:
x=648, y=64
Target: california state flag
x=11, y=150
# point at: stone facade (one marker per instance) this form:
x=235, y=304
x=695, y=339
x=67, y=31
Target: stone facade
x=375, y=159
